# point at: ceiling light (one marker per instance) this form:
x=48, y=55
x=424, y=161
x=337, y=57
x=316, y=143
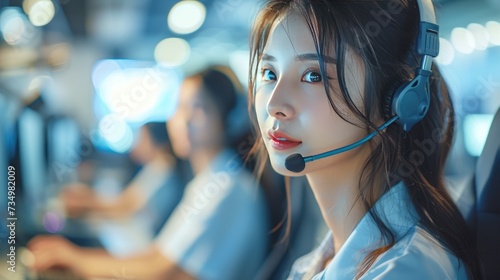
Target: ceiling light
x=463, y=40
x=186, y=17
x=172, y=52
x=446, y=52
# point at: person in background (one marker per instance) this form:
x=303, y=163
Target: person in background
x=160, y=175
x=219, y=230
x=142, y=208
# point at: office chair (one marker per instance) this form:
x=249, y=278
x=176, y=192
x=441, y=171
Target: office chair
x=487, y=208
x=306, y=222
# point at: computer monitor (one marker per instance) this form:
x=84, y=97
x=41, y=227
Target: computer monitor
x=32, y=163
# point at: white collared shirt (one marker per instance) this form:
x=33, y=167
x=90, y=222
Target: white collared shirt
x=416, y=254
x=219, y=229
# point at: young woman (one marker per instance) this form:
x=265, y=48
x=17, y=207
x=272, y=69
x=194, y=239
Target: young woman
x=218, y=231
x=322, y=75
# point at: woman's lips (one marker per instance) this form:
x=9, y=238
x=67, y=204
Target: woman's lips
x=281, y=141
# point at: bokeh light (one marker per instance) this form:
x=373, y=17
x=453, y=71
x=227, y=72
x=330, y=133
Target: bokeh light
x=40, y=12
x=493, y=28
x=15, y=28
x=116, y=132
x=476, y=128
x=463, y=40
x=172, y=52
x=480, y=34
x=446, y=52
x=135, y=91
x=186, y=17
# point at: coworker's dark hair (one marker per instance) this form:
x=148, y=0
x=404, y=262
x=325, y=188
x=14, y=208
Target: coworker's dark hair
x=382, y=35
x=221, y=87
x=159, y=134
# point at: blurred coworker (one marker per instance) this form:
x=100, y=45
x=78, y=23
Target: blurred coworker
x=219, y=229
x=160, y=178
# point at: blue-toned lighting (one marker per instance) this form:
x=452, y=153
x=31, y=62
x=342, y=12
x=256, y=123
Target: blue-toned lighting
x=136, y=91
x=116, y=132
x=476, y=128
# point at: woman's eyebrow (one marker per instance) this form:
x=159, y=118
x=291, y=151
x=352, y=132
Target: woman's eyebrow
x=314, y=56
x=267, y=57
x=302, y=57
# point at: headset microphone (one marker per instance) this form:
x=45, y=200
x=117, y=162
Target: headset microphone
x=296, y=162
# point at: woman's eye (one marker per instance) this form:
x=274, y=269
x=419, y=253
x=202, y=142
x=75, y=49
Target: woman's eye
x=312, y=77
x=268, y=75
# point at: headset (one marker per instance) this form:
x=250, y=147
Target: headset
x=410, y=102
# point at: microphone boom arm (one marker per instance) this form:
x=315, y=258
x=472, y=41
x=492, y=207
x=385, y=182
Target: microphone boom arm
x=353, y=145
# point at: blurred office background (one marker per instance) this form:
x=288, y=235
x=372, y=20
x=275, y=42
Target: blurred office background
x=79, y=77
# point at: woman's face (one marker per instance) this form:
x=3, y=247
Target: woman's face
x=196, y=124
x=293, y=111
x=144, y=150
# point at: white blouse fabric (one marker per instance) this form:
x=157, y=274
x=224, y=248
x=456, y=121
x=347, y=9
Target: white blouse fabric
x=162, y=190
x=219, y=229
x=416, y=254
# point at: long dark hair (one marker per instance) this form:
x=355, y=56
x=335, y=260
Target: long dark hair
x=382, y=34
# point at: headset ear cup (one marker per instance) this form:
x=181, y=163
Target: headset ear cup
x=411, y=102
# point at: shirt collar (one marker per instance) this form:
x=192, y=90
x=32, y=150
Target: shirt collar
x=395, y=209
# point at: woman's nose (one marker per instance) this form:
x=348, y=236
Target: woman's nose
x=278, y=105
